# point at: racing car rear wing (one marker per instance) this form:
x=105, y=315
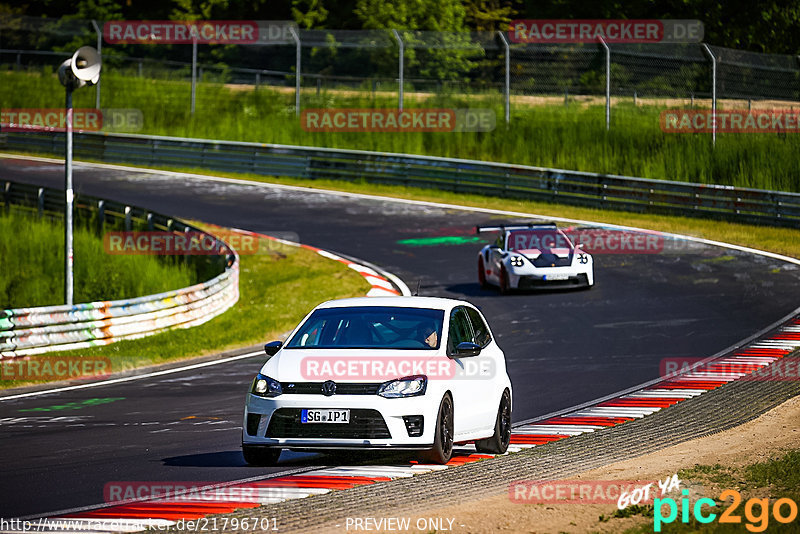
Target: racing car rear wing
x=505, y=227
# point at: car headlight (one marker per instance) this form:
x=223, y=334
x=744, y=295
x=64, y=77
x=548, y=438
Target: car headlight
x=517, y=261
x=409, y=386
x=264, y=386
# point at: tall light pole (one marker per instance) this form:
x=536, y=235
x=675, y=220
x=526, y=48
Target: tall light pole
x=81, y=69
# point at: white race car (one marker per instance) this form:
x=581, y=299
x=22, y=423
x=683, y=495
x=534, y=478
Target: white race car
x=529, y=256
x=389, y=372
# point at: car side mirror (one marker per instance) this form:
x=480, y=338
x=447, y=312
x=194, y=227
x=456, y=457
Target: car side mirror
x=273, y=347
x=467, y=348
x=579, y=246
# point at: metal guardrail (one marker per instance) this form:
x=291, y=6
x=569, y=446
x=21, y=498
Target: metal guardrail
x=458, y=175
x=27, y=331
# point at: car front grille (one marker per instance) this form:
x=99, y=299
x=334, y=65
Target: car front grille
x=342, y=388
x=535, y=282
x=551, y=260
x=364, y=424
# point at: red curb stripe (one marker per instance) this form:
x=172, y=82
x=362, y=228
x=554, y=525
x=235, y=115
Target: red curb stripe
x=533, y=439
x=168, y=510
x=588, y=420
x=641, y=402
x=318, y=478
x=762, y=351
x=319, y=482
x=685, y=386
x=682, y=385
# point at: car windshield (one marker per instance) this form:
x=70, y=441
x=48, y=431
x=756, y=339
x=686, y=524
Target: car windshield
x=368, y=327
x=537, y=239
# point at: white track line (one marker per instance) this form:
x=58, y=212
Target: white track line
x=131, y=378
x=442, y=205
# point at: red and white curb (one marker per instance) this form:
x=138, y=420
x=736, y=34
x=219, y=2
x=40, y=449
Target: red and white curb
x=139, y=515
x=133, y=516
x=380, y=284
x=663, y=394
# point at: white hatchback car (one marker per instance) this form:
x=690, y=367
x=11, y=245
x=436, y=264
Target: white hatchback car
x=391, y=372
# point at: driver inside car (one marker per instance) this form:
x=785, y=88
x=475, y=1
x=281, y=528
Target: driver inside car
x=429, y=335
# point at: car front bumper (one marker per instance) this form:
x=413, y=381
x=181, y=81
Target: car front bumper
x=542, y=282
x=375, y=422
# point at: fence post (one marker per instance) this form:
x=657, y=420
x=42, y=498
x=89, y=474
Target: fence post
x=298, y=70
x=798, y=64
x=713, y=94
x=101, y=216
x=608, y=82
x=40, y=201
x=400, y=67
x=194, y=69
x=99, y=53
x=69, y=199
x=128, y=226
x=507, y=88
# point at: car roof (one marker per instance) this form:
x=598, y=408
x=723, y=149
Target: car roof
x=512, y=226
x=435, y=303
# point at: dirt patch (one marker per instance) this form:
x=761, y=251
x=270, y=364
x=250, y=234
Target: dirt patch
x=582, y=101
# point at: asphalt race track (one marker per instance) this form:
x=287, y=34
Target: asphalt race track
x=563, y=348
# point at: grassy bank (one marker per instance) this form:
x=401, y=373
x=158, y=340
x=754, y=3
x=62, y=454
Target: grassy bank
x=276, y=290
x=572, y=137
x=765, y=481
x=32, y=266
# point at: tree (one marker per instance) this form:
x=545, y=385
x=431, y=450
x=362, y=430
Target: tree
x=441, y=56
x=309, y=13
x=489, y=15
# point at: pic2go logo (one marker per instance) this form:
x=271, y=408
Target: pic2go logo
x=757, y=522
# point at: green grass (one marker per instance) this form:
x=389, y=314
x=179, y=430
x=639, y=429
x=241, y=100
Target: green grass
x=775, y=478
x=276, y=291
x=32, y=266
x=713, y=473
x=572, y=137
x=783, y=472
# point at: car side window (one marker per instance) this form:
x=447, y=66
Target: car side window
x=460, y=330
x=479, y=328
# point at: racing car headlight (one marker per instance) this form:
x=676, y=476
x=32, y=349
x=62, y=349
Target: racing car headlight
x=264, y=386
x=410, y=386
x=517, y=261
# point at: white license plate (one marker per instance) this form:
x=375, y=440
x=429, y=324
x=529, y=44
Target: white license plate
x=559, y=276
x=325, y=416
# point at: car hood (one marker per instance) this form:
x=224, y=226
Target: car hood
x=354, y=365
